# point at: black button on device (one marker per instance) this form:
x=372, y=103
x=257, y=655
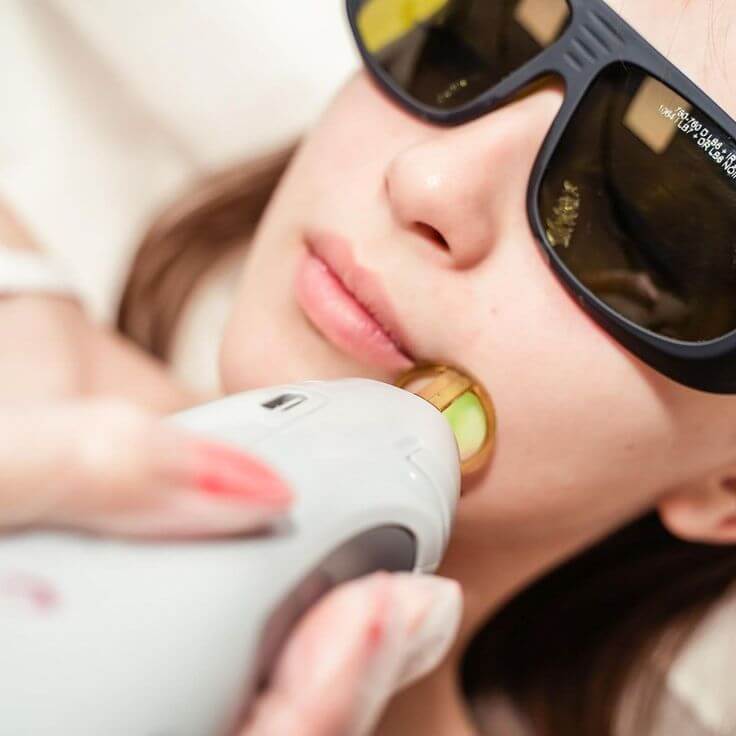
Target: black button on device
x=284, y=402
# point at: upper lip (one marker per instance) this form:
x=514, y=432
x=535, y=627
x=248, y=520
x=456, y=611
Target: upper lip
x=363, y=285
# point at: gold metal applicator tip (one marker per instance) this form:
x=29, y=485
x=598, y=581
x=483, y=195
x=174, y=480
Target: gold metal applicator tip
x=465, y=404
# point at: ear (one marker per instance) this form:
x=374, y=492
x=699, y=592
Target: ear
x=705, y=511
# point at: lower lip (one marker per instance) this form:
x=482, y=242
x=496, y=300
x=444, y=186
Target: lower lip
x=342, y=320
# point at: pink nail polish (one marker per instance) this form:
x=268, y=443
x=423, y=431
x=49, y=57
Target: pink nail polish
x=226, y=473
x=377, y=629
x=38, y=592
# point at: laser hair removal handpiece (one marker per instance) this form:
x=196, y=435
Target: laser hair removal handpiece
x=123, y=638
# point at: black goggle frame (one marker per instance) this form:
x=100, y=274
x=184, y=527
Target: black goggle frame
x=595, y=37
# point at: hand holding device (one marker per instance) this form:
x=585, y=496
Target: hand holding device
x=178, y=636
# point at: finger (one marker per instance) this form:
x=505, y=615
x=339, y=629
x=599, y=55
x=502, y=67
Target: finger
x=353, y=651
x=44, y=360
x=111, y=467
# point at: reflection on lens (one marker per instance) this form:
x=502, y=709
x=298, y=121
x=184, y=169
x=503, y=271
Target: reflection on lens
x=639, y=202
x=445, y=53
x=465, y=404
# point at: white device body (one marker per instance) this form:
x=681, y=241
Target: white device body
x=172, y=639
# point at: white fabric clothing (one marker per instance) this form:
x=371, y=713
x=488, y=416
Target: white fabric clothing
x=111, y=106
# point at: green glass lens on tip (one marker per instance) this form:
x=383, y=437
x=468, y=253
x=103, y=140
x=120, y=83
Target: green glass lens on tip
x=466, y=406
x=468, y=421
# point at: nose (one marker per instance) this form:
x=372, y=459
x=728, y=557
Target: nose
x=460, y=185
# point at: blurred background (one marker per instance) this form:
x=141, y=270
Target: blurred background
x=111, y=107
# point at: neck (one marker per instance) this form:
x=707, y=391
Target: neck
x=492, y=564
x=492, y=567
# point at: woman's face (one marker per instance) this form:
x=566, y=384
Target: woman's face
x=428, y=226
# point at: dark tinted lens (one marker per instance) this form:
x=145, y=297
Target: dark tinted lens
x=639, y=201
x=445, y=53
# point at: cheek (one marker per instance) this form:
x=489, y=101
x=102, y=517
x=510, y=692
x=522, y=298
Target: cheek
x=580, y=421
x=336, y=160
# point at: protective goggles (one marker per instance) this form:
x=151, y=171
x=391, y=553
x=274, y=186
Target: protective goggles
x=633, y=194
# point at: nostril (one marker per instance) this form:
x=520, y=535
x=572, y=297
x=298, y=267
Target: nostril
x=430, y=233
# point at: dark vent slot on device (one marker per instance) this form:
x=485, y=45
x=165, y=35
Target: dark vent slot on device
x=284, y=402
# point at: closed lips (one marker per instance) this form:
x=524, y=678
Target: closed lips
x=344, y=301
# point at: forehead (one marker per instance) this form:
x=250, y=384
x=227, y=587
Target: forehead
x=695, y=36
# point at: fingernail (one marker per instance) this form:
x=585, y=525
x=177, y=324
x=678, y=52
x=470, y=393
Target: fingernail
x=224, y=472
x=220, y=471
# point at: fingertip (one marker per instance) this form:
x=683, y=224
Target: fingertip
x=135, y=475
x=224, y=472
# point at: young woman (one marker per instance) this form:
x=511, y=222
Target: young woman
x=603, y=529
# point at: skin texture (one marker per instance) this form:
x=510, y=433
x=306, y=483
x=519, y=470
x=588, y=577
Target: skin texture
x=589, y=437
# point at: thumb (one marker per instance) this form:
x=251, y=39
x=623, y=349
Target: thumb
x=354, y=650
x=112, y=467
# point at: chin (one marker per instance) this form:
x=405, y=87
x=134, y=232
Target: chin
x=253, y=357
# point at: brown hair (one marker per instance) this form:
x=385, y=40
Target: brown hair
x=566, y=649
x=200, y=228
